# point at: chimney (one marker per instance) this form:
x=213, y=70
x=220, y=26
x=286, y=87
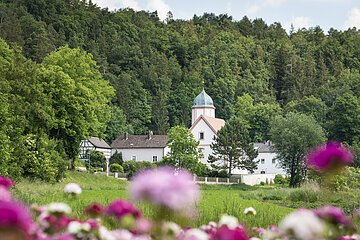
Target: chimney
x=126, y=136
x=150, y=134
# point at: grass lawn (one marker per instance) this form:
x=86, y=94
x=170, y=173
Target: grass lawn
x=271, y=204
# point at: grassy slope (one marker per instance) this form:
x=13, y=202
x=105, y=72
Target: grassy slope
x=216, y=200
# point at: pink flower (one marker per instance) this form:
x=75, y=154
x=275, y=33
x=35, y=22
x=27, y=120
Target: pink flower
x=6, y=182
x=331, y=155
x=5, y=195
x=163, y=187
x=348, y=237
x=333, y=215
x=120, y=208
x=94, y=209
x=15, y=216
x=142, y=226
x=225, y=233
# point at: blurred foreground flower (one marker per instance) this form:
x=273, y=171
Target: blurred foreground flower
x=72, y=188
x=303, y=224
x=120, y=208
x=329, y=156
x=163, y=188
x=15, y=220
x=334, y=215
x=6, y=182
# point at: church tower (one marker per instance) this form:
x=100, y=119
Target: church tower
x=202, y=105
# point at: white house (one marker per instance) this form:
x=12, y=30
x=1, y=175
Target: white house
x=150, y=147
x=268, y=164
x=97, y=144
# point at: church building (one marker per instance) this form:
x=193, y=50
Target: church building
x=204, y=124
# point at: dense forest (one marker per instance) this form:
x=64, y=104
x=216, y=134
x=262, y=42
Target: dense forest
x=250, y=68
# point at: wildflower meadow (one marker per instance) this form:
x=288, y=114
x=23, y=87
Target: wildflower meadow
x=165, y=203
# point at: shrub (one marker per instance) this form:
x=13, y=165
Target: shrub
x=116, y=168
x=96, y=159
x=303, y=195
x=279, y=179
x=132, y=166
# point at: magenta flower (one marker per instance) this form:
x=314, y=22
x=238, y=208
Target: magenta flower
x=329, y=156
x=120, y=208
x=225, y=233
x=6, y=182
x=333, y=215
x=94, y=209
x=16, y=217
x=163, y=187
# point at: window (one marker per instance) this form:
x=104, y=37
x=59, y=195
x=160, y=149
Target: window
x=262, y=161
x=273, y=161
x=155, y=158
x=133, y=158
x=201, y=136
x=262, y=172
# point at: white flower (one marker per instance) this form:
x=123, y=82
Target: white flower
x=230, y=221
x=171, y=228
x=250, y=211
x=76, y=227
x=304, y=224
x=105, y=234
x=195, y=234
x=58, y=208
x=72, y=188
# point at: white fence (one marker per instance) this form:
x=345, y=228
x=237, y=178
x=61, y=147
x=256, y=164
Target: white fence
x=248, y=179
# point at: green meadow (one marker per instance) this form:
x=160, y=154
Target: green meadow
x=272, y=203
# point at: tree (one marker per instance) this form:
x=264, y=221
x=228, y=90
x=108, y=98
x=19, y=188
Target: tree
x=184, y=152
x=116, y=124
x=293, y=136
x=79, y=97
x=344, y=122
x=233, y=148
x=116, y=158
x=96, y=159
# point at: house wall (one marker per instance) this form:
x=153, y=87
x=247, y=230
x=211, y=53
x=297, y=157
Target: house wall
x=204, y=144
x=268, y=166
x=142, y=154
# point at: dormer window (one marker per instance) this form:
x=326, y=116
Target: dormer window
x=201, y=136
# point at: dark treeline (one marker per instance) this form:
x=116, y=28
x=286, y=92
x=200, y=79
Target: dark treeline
x=157, y=68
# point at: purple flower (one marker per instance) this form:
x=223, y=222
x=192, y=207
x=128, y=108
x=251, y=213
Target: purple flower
x=331, y=155
x=120, y=208
x=333, y=215
x=15, y=216
x=6, y=182
x=163, y=187
x=5, y=195
x=225, y=233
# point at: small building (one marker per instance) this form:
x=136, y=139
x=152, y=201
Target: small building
x=268, y=164
x=97, y=144
x=150, y=147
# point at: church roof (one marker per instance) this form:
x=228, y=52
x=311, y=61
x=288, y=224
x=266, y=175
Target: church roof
x=214, y=123
x=203, y=100
x=264, y=147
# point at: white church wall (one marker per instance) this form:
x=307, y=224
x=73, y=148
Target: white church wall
x=202, y=127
